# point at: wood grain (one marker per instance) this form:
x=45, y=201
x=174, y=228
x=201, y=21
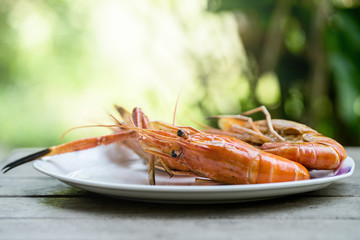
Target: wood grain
x=34, y=206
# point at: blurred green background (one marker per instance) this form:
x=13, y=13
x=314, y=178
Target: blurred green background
x=65, y=63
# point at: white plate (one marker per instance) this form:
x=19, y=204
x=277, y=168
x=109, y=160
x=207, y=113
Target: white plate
x=118, y=172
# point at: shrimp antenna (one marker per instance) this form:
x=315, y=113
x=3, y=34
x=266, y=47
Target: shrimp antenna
x=118, y=124
x=176, y=104
x=132, y=122
x=87, y=126
x=115, y=119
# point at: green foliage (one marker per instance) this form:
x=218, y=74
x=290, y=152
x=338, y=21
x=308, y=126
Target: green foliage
x=315, y=56
x=64, y=63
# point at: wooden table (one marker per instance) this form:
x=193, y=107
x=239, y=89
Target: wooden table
x=34, y=206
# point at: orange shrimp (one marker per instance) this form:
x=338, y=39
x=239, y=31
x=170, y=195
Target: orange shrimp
x=223, y=159
x=125, y=137
x=288, y=139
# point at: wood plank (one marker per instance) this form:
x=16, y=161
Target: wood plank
x=295, y=207
x=110, y=228
x=34, y=206
x=353, y=152
x=36, y=186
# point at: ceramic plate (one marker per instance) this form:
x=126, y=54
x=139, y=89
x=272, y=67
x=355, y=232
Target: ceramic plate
x=118, y=172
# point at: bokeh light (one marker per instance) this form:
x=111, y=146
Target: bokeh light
x=74, y=60
x=65, y=63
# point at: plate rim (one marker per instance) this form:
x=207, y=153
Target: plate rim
x=194, y=188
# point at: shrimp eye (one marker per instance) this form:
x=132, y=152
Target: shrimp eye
x=182, y=133
x=173, y=154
